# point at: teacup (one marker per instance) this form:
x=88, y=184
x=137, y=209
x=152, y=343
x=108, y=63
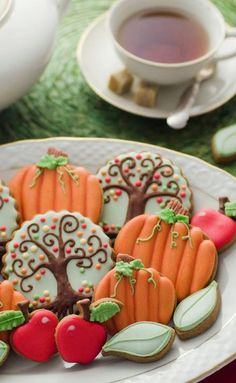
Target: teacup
x=202, y=11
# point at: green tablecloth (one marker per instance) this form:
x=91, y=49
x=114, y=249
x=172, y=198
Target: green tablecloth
x=61, y=103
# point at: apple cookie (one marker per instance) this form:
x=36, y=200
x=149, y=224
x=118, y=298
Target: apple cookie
x=167, y=243
x=56, y=259
x=9, y=216
x=137, y=183
x=146, y=294
x=198, y=312
x=218, y=225
x=80, y=338
x=142, y=342
x=54, y=184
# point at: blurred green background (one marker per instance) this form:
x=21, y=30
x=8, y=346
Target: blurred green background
x=61, y=103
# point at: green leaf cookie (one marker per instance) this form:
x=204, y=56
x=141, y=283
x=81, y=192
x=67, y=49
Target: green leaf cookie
x=104, y=311
x=10, y=319
x=4, y=351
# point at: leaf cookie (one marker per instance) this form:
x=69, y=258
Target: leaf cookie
x=4, y=351
x=198, y=312
x=141, y=342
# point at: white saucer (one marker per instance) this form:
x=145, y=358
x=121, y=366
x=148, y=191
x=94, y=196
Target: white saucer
x=98, y=60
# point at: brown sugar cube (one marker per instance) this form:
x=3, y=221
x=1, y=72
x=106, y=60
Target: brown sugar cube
x=120, y=82
x=146, y=95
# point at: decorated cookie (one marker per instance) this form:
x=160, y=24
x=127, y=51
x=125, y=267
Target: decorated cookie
x=57, y=259
x=9, y=215
x=11, y=319
x=80, y=338
x=224, y=144
x=137, y=183
x=35, y=340
x=168, y=244
x=141, y=342
x=54, y=184
x=9, y=300
x=146, y=294
x=219, y=227
x=4, y=351
x=198, y=312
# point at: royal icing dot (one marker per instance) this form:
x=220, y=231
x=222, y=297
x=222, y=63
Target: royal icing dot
x=105, y=245
x=23, y=271
x=46, y=293
x=84, y=283
x=126, y=170
x=42, y=257
x=106, y=228
x=53, y=227
x=103, y=173
x=68, y=250
x=34, y=303
x=3, y=234
x=90, y=249
x=71, y=328
x=107, y=180
x=55, y=219
x=55, y=249
x=1, y=189
x=42, y=300
x=13, y=255
x=33, y=249
x=93, y=230
x=176, y=177
x=84, y=226
x=138, y=170
x=87, y=290
x=81, y=290
x=156, y=176
x=37, y=277
x=83, y=241
x=25, y=255
x=36, y=237
x=44, y=320
x=16, y=245
x=163, y=204
x=119, y=180
x=159, y=200
x=115, y=197
x=138, y=183
x=6, y=199
x=42, y=219
x=118, y=192
x=23, y=235
x=154, y=187
x=80, y=234
x=3, y=228
x=182, y=194
x=184, y=187
x=46, y=228
x=47, y=299
x=98, y=266
x=15, y=281
x=116, y=160
x=36, y=297
x=81, y=270
x=138, y=156
x=42, y=271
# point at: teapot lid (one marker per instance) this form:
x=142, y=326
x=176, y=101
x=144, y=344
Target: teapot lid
x=5, y=6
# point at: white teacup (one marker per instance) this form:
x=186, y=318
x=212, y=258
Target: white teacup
x=168, y=74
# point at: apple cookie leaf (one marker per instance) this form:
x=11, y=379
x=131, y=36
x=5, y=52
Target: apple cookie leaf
x=104, y=309
x=10, y=319
x=141, y=342
x=4, y=351
x=197, y=312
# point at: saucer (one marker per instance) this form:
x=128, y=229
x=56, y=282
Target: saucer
x=98, y=60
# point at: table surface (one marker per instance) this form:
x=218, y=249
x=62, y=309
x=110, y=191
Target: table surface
x=61, y=104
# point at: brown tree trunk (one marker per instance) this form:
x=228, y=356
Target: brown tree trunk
x=136, y=205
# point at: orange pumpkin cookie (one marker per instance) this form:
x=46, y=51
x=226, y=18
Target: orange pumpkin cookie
x=54, y=184
x=168, y=244
x=146, y=294
x=9, y=299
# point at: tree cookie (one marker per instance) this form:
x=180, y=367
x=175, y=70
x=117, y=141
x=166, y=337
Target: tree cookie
x=146, y=294
x=137, y=183
x=54, y=184
x=198, y=312
x=9, y=216
x=170, y=245
x=57, y=259
x=142, y=342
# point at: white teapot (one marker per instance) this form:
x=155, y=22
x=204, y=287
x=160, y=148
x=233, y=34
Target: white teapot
x=27, y=35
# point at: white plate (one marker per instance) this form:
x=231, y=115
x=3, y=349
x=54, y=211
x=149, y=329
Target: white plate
x=187, y=360
x=98, y=60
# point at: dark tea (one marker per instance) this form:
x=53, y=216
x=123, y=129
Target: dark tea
x=163, y=37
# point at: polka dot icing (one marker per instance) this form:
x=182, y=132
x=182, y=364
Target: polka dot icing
x=58, y=268
x=139, y=183
x=8, y=214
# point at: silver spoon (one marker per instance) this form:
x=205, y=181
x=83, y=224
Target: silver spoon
x=179, y=118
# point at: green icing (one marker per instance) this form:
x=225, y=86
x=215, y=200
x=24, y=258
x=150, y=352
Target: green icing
x=230, y=209
x=10, y=319
x=4, y=350
x=197, y=307
x=224, y=141
x=104, y=311
x=141, y=339
x=169, y=216
x=51, y=162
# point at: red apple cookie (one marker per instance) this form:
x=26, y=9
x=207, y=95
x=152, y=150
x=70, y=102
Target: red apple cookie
x=80, y=338
x=137, y=183
x=167, y=243
x=57, y=259
x=54, y=184
x=35, y=340
x=146, y=294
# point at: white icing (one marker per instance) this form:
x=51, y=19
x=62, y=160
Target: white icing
x=71, y=328
x=47, y=281
x=196, y=308
x=45, y=320
x=114, y=212
x=8, y=214
x=141, y=339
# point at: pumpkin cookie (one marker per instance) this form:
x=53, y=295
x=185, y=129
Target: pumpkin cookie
x=170, y=245
x=198, y=312
x=9, y=216
x=9, y=299
x=54, y=184
x=146, y=294
x=137, y=183
x=56, y=259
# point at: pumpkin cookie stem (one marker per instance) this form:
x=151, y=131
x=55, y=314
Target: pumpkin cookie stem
x=37, y=175
x=157, y=227
x=84, y=308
